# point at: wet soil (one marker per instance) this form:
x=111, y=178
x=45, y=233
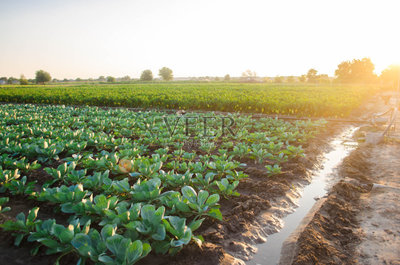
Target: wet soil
x=358, y=223
x=333, y=233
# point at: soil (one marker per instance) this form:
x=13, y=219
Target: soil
x=359, y=221
x=333, y=233
x=380, y=218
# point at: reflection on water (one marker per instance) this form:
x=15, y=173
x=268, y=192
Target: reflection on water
x=269, y=252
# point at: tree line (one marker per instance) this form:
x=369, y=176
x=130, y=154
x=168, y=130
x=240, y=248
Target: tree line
x=359, y=71
x=165, y=73
x=42, y=77
x=354, y=71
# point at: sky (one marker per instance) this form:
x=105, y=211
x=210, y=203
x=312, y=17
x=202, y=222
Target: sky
x=89, y=38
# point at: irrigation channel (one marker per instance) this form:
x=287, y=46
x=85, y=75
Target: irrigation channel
x=323, y=178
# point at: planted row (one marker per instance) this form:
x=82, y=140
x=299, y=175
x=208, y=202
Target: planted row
x=145, y=185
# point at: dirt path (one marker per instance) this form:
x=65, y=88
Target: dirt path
x=380, y=217
x=359, y=221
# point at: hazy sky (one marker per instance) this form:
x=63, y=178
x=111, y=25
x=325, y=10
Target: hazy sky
x=72, y=38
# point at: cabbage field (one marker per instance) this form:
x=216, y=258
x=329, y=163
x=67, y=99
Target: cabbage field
x=300, y=100
x=122, y=184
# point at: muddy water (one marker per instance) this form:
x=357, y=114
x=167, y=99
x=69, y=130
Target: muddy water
x=270, y=251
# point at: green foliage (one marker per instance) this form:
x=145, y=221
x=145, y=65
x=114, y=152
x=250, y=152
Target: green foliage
x=98, y=181
x=181, y=233
x=64, y=194
x=356, y=71
x=226, y=188
x=42, y=77
x=312, y=76
x=202, y=203
x=146, y=190
x=273, y=170
x=299, y=100
x=110, y=79
x=4, y=200
x=22, y=225
x=22, y=187
x=60, y=172
x=123, y=172
x=8, y=178
x=166, y=74
x=23, y=81
x=146, y=75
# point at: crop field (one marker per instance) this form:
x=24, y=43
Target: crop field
x=121, y=184
x=300, y=100
x=199, y=133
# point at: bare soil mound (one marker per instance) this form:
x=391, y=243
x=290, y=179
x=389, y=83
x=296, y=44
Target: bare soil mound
x=359, y=221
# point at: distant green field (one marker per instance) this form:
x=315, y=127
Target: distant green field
x=301, y=100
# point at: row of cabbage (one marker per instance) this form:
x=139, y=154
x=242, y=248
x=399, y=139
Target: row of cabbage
x=130, y=182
